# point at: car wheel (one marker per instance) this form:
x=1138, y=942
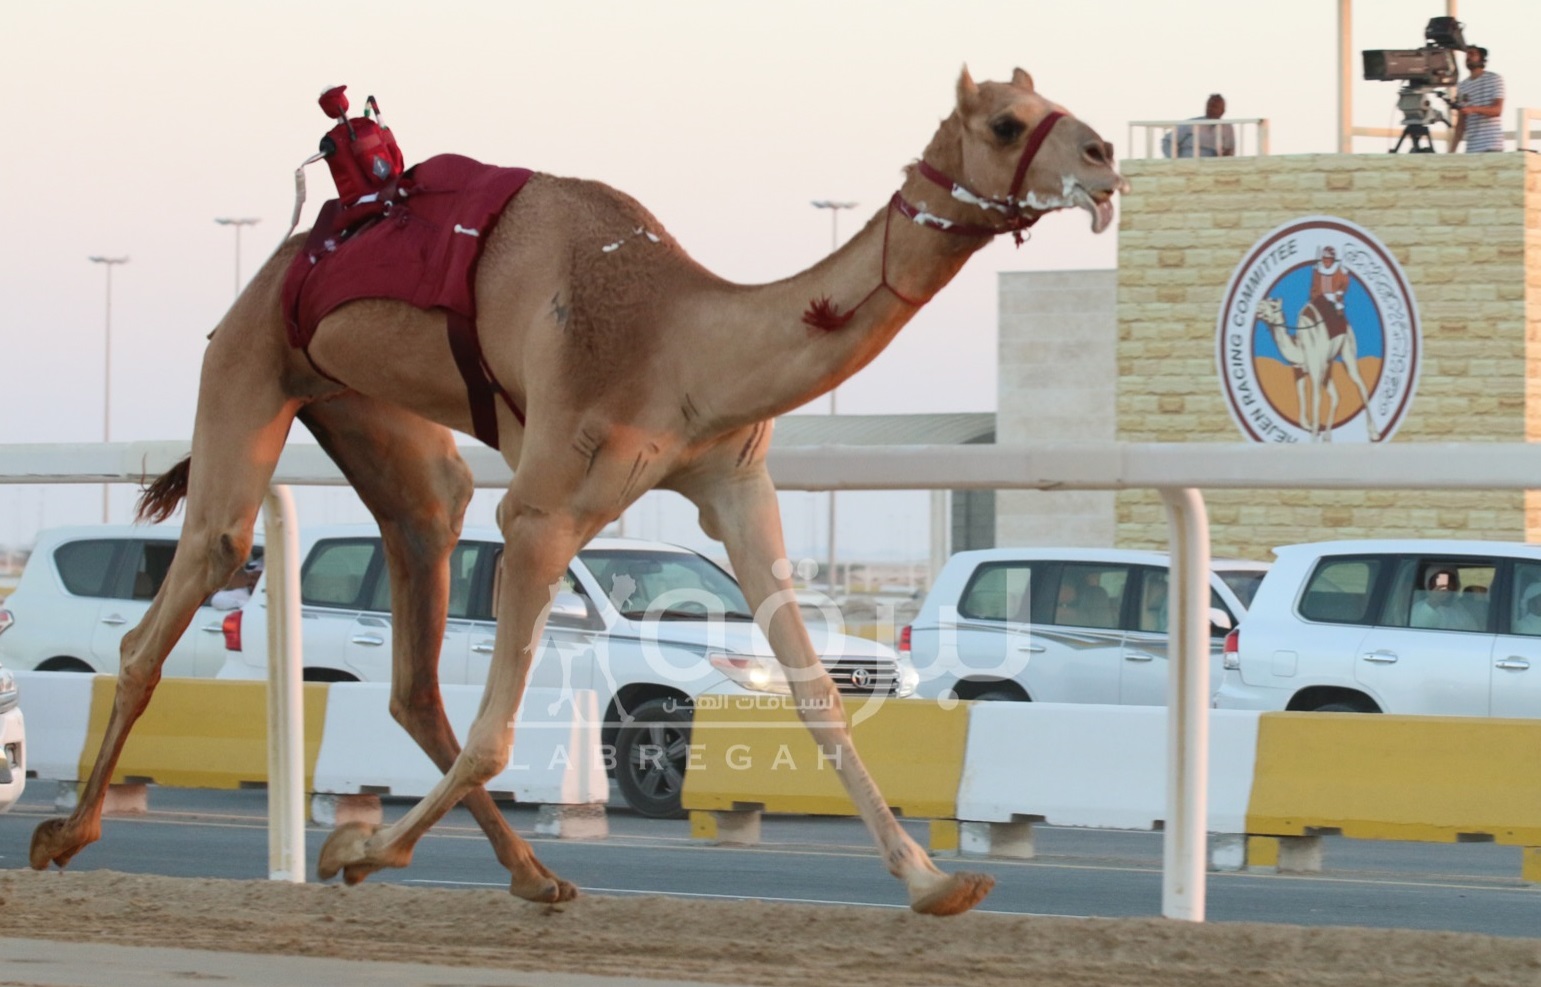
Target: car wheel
x=1000, y=696
x=651, y=751
x=65, y=664
x=1344, y=706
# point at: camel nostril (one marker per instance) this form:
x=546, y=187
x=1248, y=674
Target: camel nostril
x=1098, y=152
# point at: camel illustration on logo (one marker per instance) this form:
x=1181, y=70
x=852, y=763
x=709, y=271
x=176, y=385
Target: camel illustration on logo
x=611, y=364
x=1310, y=347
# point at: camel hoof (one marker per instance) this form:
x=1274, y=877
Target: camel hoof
x=48, y=842
x=546, y=889
x=345, y=850
x=954, y=896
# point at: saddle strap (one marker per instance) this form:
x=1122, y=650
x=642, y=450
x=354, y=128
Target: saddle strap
x=482, y=388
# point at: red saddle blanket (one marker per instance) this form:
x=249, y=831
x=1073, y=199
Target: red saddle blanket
x=423, y=239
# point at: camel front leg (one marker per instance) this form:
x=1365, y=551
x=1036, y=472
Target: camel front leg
x=410, y=476
x=241, y=427
x=539, y=547
x=740, y=509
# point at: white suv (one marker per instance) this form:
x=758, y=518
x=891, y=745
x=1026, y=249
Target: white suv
x=1392, y=626
x=1061, y=625
x=84, y=588
x=646, y=625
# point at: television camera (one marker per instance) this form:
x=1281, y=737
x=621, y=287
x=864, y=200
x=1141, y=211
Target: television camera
x=1422, y=71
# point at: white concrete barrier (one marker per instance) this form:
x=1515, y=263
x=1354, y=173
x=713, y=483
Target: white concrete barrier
x=556, y=758
x=58, y=710
x=1095, y=766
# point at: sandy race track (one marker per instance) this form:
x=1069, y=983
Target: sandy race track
x=737, y=942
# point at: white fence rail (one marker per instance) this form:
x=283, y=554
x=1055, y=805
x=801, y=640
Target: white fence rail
x=1251, y=136
x=1178, y=471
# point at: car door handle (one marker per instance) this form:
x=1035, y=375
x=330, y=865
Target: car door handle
x=1381, y=657
x=1034, y=648
x=115, y=619
x=484, y=648
x=1513, y=661
x=373, y=640
x=1139, y=656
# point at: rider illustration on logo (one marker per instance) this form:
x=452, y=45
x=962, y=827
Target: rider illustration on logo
x=1319, y=338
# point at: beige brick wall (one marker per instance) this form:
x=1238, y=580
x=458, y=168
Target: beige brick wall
x=1466, y=230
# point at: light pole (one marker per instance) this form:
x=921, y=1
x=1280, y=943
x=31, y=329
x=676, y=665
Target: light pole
x=237, y=223
x=834, y=244
x=110, y=263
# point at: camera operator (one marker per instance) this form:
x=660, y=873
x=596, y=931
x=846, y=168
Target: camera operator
x=1479, y=100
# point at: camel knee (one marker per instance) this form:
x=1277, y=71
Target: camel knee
x=480, y=762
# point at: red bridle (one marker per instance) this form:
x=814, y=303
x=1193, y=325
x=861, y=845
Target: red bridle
x=823, y=314
x=1011, y=206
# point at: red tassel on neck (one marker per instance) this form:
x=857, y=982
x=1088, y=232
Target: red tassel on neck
x=822, y=314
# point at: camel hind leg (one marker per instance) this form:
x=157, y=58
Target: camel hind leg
x=408, y=473
x=243, y=419
x=738, y=505
x=1350, y=356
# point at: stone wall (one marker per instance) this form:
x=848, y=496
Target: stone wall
x=1466, y=230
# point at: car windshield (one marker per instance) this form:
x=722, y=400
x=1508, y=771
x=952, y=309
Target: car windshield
x=1242, y=582
x=676, y=585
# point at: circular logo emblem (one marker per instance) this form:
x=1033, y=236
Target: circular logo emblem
x=1318, y=337
x=861, y=677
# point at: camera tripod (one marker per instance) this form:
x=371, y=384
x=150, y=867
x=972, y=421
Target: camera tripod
x=1422, y=142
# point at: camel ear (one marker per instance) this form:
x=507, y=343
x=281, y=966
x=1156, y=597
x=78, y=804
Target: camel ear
x=1022, y=80
x=968, y=91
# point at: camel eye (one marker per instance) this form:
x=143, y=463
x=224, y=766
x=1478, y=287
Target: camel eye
x=1007, y=129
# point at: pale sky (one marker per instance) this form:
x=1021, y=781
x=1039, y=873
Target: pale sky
x=130, y=127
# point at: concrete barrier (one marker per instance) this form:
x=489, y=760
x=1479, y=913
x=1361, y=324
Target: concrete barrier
x=58, y=710
x=752, y=754
x=1088, y=765
x=201, y=733
x=556, y=760
x=1440, y=779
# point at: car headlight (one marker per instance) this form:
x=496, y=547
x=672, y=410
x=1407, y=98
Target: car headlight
x=906, y=678
x=753, y=672
x=9, y=692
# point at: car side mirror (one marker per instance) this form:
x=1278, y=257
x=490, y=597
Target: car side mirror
x=1220, y=623
x=569, y=606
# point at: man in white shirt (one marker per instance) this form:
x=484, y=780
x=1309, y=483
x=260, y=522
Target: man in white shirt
x=239, y=589
x=1202, y=140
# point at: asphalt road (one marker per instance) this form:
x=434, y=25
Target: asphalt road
x=1463, y=887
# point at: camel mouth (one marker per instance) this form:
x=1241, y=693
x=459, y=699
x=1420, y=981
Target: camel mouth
x=1098, y=204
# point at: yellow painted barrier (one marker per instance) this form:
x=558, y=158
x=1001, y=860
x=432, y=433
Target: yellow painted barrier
x=198, y=733
x=1429, y=778
x=753, y=751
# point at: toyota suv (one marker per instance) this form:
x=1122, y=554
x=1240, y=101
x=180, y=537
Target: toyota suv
x=1392, y=626
x=86, y=587
x=646, y=625
x=1064, y=625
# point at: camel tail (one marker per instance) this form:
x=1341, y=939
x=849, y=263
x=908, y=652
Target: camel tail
x=160, y=499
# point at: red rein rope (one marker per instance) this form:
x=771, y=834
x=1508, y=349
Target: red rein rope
x=824, y=314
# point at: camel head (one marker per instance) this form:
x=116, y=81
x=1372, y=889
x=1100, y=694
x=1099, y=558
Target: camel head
x=1072, y=167
x=1270, y=311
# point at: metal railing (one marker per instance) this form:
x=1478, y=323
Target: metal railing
x=1189, y=138
x=1177, y=470
x=1527, y=129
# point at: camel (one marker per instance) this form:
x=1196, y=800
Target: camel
x=624, y=367
x=1311, y=350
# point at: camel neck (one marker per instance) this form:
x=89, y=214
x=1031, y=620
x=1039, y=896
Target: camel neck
x=801, y=337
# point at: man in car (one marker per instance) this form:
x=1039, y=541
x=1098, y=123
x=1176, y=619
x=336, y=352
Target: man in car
x=1439, y=608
